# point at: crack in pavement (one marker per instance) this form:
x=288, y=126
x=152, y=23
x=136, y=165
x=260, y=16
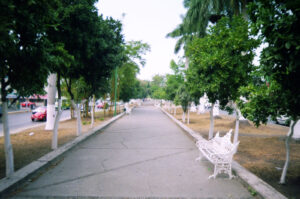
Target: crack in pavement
x=106, y=171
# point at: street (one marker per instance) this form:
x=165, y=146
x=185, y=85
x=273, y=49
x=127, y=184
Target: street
x=19, y=121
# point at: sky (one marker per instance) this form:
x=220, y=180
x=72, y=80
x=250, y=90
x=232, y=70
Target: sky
x=148, y=21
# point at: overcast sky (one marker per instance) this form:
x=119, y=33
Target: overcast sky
x=149, y=21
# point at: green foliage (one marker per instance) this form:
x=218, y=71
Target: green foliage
x=129, y=86
x=183, y=97
x=277, y=24
x=252, y=191
x=158, y=87
x=220, y=63
x=24, y=45
x=142, y=89
x=174, y=80
x=93, y=48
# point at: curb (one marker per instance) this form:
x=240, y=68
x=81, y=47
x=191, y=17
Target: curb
x=20, y=111
x=8, y=184
x=15, y=131
x=263, y=189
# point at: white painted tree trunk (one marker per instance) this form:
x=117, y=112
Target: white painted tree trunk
x=211, y=128
x=237, y=124
x=56, y=124
x=92, y=112
x=216, y=110
x=287, y=148
x=77, y=110
x=51, y=102
x=9, y=156
x=188, y=116
x=175, y=111
x=183, y=117
x=296, y=134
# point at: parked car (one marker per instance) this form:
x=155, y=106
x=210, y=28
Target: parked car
x=28, y=104
x=283, y=120
x=100, y=105
x=39, y=113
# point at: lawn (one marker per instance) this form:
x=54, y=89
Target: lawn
x=261, y=150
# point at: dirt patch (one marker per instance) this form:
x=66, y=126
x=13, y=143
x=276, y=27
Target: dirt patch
x=261, y=150
x=33, y=143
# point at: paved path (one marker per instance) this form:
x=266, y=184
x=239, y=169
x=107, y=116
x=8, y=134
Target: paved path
x=141, y=155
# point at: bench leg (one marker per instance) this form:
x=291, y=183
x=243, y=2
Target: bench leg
x=199, y=158
x=216, y=171
x=222, y=168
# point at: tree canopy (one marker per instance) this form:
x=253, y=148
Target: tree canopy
x=220, y=62
x=128, y=82
x=175, y=80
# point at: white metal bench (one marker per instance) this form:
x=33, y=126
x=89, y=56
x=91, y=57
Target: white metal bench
x=128, y=110
x=219, y=151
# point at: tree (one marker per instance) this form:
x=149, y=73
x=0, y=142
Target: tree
x=184, y=99
x=221, y=62
x=174, y=81
x=23, y=54
x=142, y=90
x=134, y=51
x=157, y=87
x=94, y=43
x=276, y=22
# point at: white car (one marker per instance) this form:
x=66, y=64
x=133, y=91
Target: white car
x=283, y=120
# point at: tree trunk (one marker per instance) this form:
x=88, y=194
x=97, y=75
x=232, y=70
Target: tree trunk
x=287, y=148
x=57, y=118
x=211, y=128
x=72, y=112
x=93, y=112
x=86, y=112
x=9, y=156
x=78, y=117
x=237, y=124
x=175, y=111
x=188, y=116
x=51, y=102
x=183, y=117
x=56, y=124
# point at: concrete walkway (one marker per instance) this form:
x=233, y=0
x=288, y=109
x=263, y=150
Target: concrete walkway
x=142, y=155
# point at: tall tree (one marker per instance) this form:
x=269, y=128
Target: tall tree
x=23, y=54
x=175, y=80
x=221, y=62
x=134, y=52
x=276, y=22
x=93, y=42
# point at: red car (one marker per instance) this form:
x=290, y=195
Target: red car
x=101, y=105
x=39, y=113
x=27, y=104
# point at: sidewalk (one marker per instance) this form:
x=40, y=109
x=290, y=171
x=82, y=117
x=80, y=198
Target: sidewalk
x=141, y=155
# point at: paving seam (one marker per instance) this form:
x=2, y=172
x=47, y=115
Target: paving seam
x=110, y=170
x=247, y=178
x=23, y=174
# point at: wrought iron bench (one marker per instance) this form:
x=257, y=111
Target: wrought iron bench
x=219, y=151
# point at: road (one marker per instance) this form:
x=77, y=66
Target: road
x=19, y=121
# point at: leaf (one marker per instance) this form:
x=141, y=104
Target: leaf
x=287, y=45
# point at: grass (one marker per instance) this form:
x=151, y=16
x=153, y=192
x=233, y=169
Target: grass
x=28, y=147
x=261, y=150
